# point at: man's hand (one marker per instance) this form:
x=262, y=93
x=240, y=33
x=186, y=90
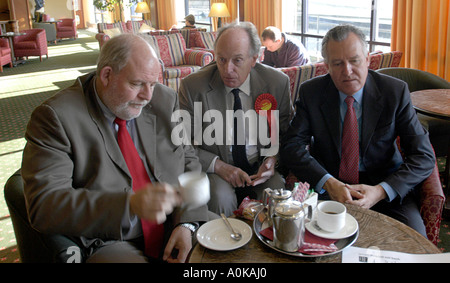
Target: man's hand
x=154, y=202
x=337, y=190
x=233, y=175
x=366, y=196
x=265, y=172
x=181, y=241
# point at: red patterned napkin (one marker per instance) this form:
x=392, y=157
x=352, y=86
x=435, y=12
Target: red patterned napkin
x=313, y=245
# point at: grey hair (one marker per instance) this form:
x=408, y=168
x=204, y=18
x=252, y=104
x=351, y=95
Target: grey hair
x=116, y=52
x=340, y=33
x=252, y=32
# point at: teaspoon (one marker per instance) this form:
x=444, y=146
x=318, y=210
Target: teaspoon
x=234, y=234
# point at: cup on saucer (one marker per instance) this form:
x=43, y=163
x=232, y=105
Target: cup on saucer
x=331, y=215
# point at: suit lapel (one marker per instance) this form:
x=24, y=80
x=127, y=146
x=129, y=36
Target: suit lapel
x=110, y=142
x=331, y=114
x=258, y=85
x=147, y=138
x=216, y=99
x=372, y=108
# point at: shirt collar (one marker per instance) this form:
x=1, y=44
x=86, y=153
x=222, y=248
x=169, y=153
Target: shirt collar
x=245, y=87
x=357, y=96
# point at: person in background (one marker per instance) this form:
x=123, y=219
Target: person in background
x=236, y=169
x=189, y=22
x=76, y=167
x=342, y=139
x=281, y=50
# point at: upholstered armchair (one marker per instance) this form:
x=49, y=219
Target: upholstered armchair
x=50, y=30
x=177, y=61
x=66, y=28
x=5, y=53
x=33, y=43
x=439, y=129
x=35, y=247
x=203, y=41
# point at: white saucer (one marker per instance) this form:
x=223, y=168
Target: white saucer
x=350, y=228
x=215, y=235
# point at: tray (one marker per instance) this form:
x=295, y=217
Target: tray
x=258, y=226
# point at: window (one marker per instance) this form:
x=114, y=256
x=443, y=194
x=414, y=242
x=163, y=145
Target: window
x=309, y=20
x=198, y=8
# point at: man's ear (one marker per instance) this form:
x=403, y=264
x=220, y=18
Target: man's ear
x=106, y=75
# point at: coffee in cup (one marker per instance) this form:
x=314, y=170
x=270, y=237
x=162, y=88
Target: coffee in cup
x=330, y=216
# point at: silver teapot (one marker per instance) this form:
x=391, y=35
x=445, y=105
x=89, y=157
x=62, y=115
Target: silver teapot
x=289, y=225
x=273, y=197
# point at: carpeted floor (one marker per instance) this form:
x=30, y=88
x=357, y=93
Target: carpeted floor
x=24, y=87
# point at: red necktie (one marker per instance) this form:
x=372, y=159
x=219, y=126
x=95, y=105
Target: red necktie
x=349, y=167
x=153, y=233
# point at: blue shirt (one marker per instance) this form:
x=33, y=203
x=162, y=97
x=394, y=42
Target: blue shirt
x=357, y=105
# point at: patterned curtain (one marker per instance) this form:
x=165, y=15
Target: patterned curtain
x=421, y=30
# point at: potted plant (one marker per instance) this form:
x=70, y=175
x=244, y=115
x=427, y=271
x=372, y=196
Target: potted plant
x=111, y=5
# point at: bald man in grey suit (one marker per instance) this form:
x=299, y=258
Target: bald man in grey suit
x=236, y=50
x=77, y=182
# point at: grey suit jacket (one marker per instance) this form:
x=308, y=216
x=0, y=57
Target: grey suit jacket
x=206, y=86
x=387, y=114
x=76, y=180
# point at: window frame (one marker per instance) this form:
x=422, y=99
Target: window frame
x=198, y=24
x=372, y=42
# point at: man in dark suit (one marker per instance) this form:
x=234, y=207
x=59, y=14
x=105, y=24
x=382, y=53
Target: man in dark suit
x=313, y=147
x=236, y=47
x=77, y=181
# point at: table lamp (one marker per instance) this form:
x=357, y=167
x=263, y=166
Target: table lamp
x=219, y=10
x=142, y=7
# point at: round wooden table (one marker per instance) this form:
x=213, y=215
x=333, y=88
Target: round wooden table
x=375, y=230
x=435, y=103
x=432, y=102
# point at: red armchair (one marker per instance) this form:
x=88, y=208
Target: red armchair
x=66, y=28
x=5, y=54
x=33, y=43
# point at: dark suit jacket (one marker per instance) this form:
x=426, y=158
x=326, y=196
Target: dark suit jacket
x=387, y=114
x=206, y=86
x=76, y=180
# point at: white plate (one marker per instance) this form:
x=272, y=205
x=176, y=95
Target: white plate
x=350, y=228
x=215, y=235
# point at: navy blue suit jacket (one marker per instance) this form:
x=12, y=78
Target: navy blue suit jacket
x=312, y=146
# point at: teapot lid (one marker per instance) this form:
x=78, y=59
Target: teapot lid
x=281, y=194
x=289, y=209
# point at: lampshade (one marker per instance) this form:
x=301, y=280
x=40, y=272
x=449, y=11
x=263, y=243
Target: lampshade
x=219, y=10
x=142, y=7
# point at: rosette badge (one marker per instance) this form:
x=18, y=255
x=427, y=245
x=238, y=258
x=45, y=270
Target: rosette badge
x=266, y=102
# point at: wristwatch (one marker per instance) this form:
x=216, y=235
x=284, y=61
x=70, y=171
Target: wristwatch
x=191, y=226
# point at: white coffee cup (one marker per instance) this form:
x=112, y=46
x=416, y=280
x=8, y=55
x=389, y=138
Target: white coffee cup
x=194, y=189
x=330, y=215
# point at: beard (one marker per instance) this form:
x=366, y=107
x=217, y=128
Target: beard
x=129, y=110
